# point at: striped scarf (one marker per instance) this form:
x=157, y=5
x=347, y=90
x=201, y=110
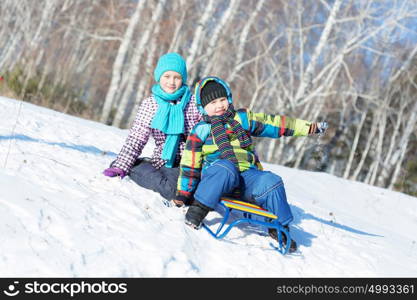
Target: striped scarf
x=220, y=136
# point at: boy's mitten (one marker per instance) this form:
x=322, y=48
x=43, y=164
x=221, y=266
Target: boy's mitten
x=318, y=128
x=112, y=172
x=196, y=214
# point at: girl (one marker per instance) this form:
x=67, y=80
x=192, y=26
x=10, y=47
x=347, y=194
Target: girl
x=168, y=115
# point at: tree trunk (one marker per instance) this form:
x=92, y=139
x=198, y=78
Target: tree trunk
x=198, y=37
x=119, y=62
x=354, y=146
x=399, y=154
x=140, y=48
x=243, y=40
x=144, y=82
x=227, y=16
x=367, y=147
x=307, y=76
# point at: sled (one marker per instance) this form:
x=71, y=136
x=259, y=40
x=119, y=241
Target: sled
x=249, y=209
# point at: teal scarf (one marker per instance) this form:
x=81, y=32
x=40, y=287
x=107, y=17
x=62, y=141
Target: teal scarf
x=169, y=119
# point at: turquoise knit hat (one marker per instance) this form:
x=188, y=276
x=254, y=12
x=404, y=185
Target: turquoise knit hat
x=171, y=62
x=202, y=83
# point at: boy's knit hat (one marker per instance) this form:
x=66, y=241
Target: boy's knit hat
x=171, y=62
x=210, y=91
x=202, y=83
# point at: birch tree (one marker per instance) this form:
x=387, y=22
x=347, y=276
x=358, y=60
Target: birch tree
x=198, y=37
x=398, y=154
x=119, y=61
x=134, y=64
x=351, y=63
x=227, y=17
x=307, y=75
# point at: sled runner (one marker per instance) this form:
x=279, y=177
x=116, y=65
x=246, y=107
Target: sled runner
x=248, y=210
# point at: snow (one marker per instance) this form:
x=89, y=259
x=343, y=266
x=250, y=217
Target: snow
x=60, y=217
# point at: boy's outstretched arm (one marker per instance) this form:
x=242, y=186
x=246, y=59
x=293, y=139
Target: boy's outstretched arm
x=276, y=126
x=190, y=167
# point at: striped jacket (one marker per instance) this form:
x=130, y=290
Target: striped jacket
x=141, y=131
x=201, y=150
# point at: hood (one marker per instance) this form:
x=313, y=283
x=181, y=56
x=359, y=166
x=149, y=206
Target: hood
x=200, y=84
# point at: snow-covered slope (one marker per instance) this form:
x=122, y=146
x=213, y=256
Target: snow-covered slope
x=61, y=217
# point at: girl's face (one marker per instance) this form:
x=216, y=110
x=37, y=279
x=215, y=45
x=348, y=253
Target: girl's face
x=217, y=107
x=170, y=82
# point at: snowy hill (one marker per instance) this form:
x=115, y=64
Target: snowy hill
x=61, y=217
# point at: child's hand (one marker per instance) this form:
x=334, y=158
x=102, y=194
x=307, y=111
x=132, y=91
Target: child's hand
x=318, y=128
x=180, y=200
x=322, y=127
x=178, y=203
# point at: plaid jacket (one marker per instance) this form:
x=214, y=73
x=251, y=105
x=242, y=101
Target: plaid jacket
x=141, y=131
x=201, y=150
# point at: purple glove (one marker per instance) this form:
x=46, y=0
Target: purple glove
x=112, y=172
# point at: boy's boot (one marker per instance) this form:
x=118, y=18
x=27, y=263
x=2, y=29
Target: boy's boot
x=273, y=233
x=196, y=214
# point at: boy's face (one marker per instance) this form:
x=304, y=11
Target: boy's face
x=170, y=82
x=217, y=107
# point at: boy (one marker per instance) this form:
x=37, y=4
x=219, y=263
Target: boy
x=220, y=157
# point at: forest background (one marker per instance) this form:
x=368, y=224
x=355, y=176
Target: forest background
x=352, y=63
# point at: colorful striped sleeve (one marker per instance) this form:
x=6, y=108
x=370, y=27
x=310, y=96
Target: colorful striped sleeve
x=190, y=165
x=273, y=126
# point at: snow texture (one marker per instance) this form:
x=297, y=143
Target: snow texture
x=60, y=217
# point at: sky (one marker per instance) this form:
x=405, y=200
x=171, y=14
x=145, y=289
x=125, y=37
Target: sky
x=62, y=218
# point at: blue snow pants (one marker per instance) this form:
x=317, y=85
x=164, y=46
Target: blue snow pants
x=263, y=188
